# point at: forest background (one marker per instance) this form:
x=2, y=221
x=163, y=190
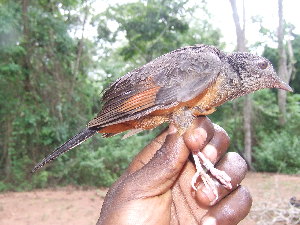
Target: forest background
x=53, y=71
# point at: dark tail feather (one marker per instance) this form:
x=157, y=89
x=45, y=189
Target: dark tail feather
x=71, y=143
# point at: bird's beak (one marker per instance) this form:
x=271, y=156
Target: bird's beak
x=282, y=85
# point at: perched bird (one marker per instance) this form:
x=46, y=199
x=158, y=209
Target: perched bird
x=175, y=88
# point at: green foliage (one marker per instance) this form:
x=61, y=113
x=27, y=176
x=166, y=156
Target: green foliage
x=4, y=186
x=40, y=180
x=151, y=27
x=278, y=152
x=278, y=147
x=228, y=116
x=41, y=100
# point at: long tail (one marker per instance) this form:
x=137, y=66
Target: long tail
x=71, y=143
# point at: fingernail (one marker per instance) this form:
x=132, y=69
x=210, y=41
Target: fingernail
x=209, y=221
x=172, y=129
x=195, y=139
x=210, y=195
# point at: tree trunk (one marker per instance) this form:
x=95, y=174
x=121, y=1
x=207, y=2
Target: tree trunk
x=282, y=66
x=240, y=32
x=247, y=109
x=79, y=49
x=285, y=69
x=6, y=157
x=291, y=64
x=26, y=58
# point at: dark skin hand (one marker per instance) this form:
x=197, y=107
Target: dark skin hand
x=156, y=188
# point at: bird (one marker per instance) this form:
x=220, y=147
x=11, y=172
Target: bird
x=176, y=88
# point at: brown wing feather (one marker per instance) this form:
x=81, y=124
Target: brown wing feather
x=120, y=109
x=175, y=77
x=140, y=101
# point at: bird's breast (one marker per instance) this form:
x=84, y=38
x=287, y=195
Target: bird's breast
x=212, y=97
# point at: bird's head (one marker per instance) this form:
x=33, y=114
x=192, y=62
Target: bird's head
x=255, y=72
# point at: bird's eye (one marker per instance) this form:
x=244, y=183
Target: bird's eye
x=263, y=65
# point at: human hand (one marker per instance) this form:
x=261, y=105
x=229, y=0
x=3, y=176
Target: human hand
x=156, y=187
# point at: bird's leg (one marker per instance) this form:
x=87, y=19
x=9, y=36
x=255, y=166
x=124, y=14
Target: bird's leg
x=207, y=180
x=182, y=119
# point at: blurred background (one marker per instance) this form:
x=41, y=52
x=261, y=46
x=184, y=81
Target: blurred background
x=57, y=56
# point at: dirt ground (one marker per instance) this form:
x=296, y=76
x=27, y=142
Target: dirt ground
x=271, y=194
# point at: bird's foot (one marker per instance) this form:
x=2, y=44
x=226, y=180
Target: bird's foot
x=207, y=180
x=219, y=174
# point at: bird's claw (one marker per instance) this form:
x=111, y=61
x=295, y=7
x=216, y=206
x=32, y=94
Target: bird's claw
x=209, y=183
x=207, y=180
x=194, y=180
x=221, y=176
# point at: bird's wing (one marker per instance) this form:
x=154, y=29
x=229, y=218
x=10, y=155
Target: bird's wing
x=175, y=77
